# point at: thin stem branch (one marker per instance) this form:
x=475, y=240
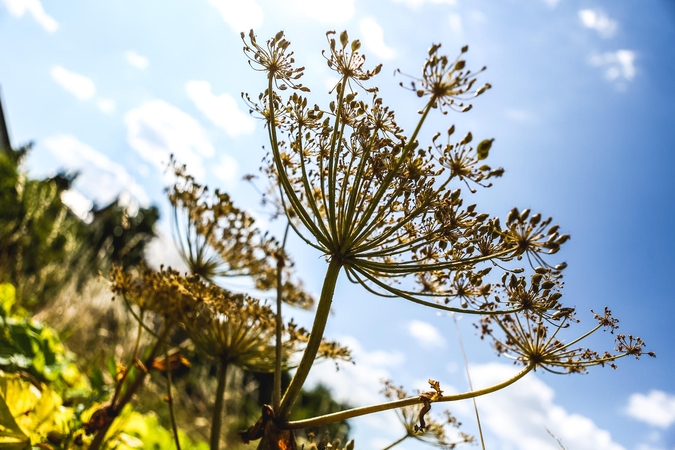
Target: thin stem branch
x=364, y=410
x=276, y=389
x=396, y=442
x=468, y=376
x=137, y=382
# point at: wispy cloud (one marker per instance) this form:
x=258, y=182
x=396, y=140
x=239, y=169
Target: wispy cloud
x=656, y=408
x=221, y=109
x=598, y=20
x=425, y=334
x=359, y=383
x=106, y=105
x=536, y=412
x=80, y=86
x=226, y=169
x=455, y=22
x=137, y=60
x=414, y=4
x=157, y=129
x=18, y=8
x=100, y=179
x=618, y=66
x=373, y=38
x=552, y=3
x=240, y=15
x=520, y=115
x=330, y=12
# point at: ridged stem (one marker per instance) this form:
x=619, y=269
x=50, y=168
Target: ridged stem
x=318, y=327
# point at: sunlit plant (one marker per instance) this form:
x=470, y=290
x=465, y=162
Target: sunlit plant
x=386, y=207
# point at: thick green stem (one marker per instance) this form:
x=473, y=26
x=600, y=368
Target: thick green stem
x=308, y=357
x=216, y=422
x=356, y=412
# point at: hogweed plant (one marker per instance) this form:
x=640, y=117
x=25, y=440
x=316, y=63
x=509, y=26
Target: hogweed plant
x=388, y=210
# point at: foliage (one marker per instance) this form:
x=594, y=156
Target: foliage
x=38, y=234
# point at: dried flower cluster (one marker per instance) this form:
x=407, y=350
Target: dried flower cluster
x=217, y=239
x=434, y=432
x=226, y=326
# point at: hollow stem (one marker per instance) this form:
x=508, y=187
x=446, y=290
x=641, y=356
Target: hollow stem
x=216, y=422
x=318, y=327
x=364, y=410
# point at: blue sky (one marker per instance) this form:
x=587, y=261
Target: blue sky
x=581, y=110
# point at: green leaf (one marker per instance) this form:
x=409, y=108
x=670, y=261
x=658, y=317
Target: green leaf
x=112, y=367
x=7, y=298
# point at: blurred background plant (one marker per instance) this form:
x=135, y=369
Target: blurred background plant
x=51, y=261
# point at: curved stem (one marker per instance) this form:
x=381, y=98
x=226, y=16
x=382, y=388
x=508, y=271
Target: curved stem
x=356, y=412
x=216, y=422
x=318, y=327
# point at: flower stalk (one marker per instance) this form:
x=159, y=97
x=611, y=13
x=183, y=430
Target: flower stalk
x=364, y=410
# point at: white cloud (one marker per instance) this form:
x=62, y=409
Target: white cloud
x=455, y=22
x=157, y=129
x=333, y=12
x=221, y=109
x=414, y=4
x=100, y=178
x=227, y=169
x=137, y=60
x=373, y=37
x=618, y=65
x=18, y=8
x=162, y=251
x=426, y=334
x=520, y=115
x=656, y=408
x=106, y=105
x=360, y=383
x=520, y=414
x=599, y=21
x=78, y=85
x=240, y=15
x=78, y=203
